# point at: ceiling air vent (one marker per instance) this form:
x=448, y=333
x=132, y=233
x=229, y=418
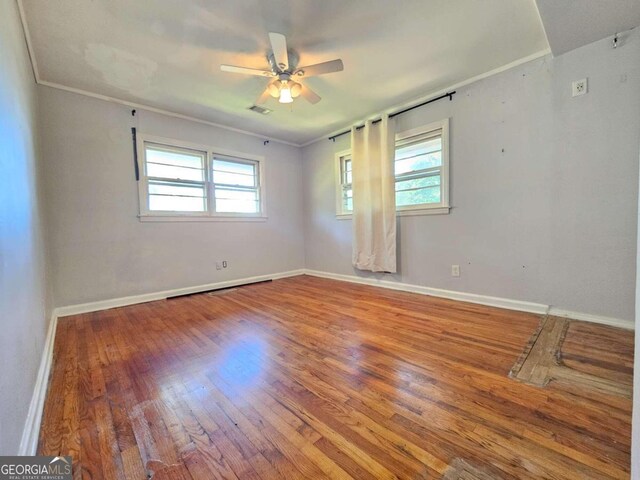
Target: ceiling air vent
x=259, y=109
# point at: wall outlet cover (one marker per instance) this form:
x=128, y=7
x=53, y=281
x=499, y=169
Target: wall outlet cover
x=455, y=270
x=579, y=87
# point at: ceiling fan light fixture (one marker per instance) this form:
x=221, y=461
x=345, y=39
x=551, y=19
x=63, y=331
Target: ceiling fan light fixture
x=274, y=89
x=285, y=94
x=296, y=89
x=283, y=67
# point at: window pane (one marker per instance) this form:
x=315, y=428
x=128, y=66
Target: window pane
x=414, y=183
x=349, y=204
x=419, y=156
x=418, y=197
x=237, y=201
x=347, y=200
x=346, y=171
x=176, y=197
x=234, y=173
x=184, y=164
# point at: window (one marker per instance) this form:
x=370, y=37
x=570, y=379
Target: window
x=421, y=172
x=346, y=191
x=418, y=170
x=181, y=181
x=235, y=185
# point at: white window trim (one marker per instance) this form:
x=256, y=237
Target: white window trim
x=145, y=215
x=441, y=208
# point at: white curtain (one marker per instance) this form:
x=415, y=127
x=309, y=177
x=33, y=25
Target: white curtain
x=374, y=199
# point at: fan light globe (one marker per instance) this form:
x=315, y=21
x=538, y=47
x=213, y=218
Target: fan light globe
x=274, y=91
x=296, y=89
x=285, y=94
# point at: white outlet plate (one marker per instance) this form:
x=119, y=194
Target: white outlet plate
x=579, y=87
x=455, y=270
x=218, y=266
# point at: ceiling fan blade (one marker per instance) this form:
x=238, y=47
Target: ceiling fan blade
x=309, y=95
x=246, y=71
x=322, y=68
x=279, y=47
x=264, y=96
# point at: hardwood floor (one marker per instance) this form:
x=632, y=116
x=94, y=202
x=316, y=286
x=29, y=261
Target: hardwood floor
x=314, y=378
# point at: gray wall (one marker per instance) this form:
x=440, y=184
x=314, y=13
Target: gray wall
x=99, y=248
x=552, y=219
x=24, y=310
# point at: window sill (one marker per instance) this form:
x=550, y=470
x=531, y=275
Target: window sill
x=194, y=218
x=408, y=212
x=423, y=211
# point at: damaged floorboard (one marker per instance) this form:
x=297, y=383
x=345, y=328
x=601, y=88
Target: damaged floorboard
x=542, y=362
x=308, y=378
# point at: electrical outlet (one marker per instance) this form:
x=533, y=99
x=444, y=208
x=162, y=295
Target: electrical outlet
x=455, y=270
x=224, y=264
x=579, y=87
x=218, y=266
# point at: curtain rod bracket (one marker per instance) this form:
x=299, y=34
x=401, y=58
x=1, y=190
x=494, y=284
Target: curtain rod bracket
x=266, y=142
x=133, y=113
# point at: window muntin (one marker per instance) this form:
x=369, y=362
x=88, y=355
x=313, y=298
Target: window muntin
x=183, y=181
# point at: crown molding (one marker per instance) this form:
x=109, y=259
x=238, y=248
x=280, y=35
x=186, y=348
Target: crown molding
x=170, y=113
x=436, y=93
x=139, y=106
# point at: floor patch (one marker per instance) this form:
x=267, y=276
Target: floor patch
x=541, y=361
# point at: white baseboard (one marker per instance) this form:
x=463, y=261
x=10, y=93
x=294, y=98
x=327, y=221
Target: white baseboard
x=29, y=441
x=587, y=317
x=437, y=292
x=510, y=304
x=150, y=297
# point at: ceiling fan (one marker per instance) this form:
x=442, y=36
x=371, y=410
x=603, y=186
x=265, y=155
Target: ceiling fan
x=283, y=70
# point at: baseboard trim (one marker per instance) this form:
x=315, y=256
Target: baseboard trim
x=587, y=317
x=31, y=432
x=437, y=292
x=510, y=304
x=151, y=297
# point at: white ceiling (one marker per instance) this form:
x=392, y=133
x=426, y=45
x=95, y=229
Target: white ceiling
x=166, y=53
x=570, y=24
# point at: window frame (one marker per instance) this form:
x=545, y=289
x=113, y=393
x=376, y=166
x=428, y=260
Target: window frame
x=422, y=209
x=146, y=215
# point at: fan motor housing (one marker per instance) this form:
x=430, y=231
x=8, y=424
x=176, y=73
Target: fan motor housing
x=293, y=62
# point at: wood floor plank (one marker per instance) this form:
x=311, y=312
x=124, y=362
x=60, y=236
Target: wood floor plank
x=313, y=378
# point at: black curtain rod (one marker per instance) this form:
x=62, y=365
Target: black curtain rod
x=134, y=137
x=448, y=94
